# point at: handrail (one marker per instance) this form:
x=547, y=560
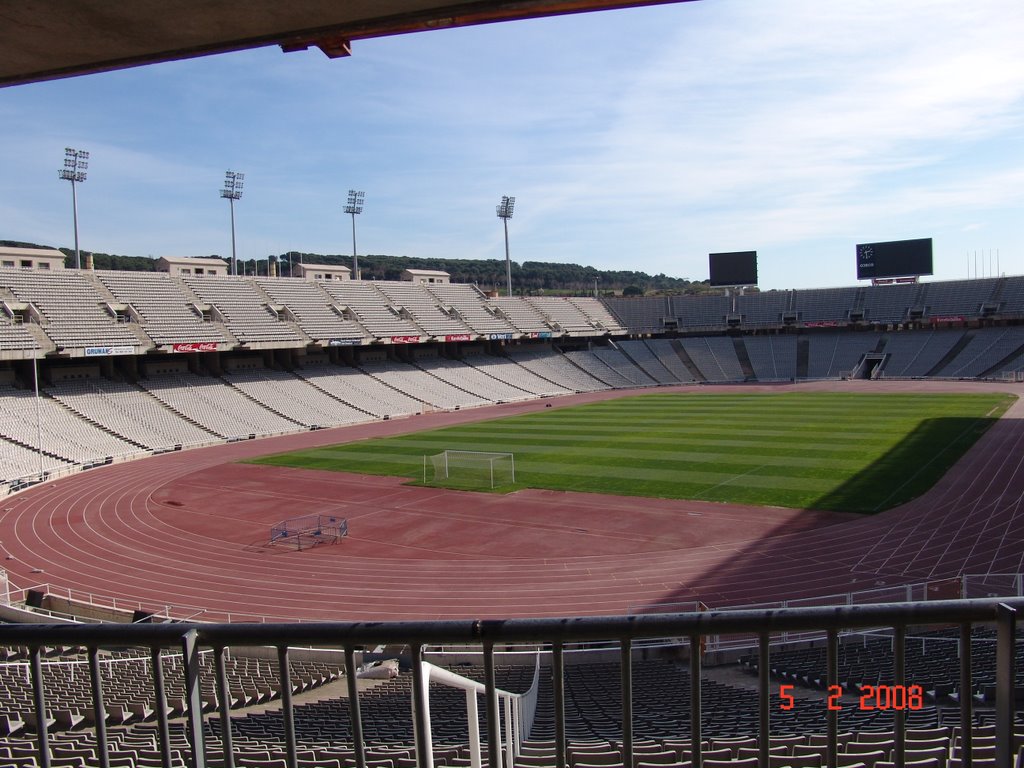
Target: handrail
x=491, y=633
x=523, y=630
x=511, y=701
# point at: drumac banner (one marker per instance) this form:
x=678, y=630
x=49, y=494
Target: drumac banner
x=106, y=351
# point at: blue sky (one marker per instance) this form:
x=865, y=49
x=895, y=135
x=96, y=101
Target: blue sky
x=638, y=139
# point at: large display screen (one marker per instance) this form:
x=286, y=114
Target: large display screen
x=737, y=268
x=896, y=258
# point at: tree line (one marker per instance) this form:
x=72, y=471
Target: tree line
x=528, y=277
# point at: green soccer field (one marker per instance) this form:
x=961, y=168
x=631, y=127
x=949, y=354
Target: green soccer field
x=832, y=451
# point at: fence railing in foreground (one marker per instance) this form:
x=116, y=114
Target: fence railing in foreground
x=554, y=633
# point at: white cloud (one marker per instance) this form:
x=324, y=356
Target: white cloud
x=641, y=138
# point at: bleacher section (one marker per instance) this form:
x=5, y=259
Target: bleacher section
x=508, y=371
x=72, y=310
x=474, y=380
x=913, y=354
x=130, y=412
x=824, y=305
x=959, y=298
x=423, y=309
x=418, y=383
x=568, y=317
x=523, y=315
x=715, y=356
x=131, y=312
x=889, y=303
x=594, y=365
x=56, y=430
x=701, y=312
x=763, y=310
x=641, y=314
x=364, y=393
x=294, y=398
x=245, y=312
x=220, y=409
x=471, y=305
x=313, y=309
x=641, y=354
x=169, y=316
x=773, y=358
x=625, y=367
x=371, y=309
x=836, y=354
x=944, y=301
x=15, y=336
x=598, y=314
x=987, y=347
x=557, y=369
x=667, y=356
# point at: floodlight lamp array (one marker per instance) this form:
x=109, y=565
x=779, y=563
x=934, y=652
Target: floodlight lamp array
x=76, y=162
x=505, y=207
x=233, y=181
x=355, y=202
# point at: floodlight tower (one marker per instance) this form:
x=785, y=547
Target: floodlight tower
x=233, y=191
x=76, y=162
x=505, y=208
x=352, y=207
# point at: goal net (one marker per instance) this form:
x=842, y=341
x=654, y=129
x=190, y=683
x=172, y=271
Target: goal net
x=470, y=469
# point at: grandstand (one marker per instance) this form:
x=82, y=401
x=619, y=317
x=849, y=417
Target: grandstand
x=279, y=355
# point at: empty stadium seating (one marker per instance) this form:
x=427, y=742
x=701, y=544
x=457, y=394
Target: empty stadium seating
x=501, y=350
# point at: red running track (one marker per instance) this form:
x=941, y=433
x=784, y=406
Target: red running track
x=189, y=530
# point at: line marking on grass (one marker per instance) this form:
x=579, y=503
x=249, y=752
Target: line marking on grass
x=731, y=479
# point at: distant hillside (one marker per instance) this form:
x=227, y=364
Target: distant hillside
x=529, y=277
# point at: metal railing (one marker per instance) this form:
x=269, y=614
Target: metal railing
x=555, y=634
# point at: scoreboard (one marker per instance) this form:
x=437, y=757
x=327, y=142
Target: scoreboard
x=736, y=268
x=896, y=258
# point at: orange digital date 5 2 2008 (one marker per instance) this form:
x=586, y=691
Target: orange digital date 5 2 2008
x=871, y=697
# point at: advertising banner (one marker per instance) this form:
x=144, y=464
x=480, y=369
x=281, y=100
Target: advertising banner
x=105, y=351
x=201, y=346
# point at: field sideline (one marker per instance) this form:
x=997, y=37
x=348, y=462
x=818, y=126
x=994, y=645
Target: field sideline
x=849, y=452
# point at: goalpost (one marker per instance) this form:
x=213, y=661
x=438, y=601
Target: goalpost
x=470, y=469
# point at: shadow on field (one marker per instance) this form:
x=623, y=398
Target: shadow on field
x=904, y=473
x=870, y=552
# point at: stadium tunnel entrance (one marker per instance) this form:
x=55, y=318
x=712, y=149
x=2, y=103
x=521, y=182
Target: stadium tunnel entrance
x=870, y=366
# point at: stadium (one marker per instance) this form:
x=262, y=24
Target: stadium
x=407, y=523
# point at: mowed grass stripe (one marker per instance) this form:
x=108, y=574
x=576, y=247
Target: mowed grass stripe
x=532, y=455
x=841, y=451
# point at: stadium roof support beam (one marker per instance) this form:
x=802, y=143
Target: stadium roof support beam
x=63, y=38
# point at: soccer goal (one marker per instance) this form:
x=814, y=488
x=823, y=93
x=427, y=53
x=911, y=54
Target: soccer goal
x=470, y=469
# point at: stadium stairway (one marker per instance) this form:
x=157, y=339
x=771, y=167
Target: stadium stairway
x=744, y=357
x=691, y=366
x=803, y=357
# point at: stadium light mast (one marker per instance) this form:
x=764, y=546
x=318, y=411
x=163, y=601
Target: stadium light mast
x=352, y=207
x=233, y=191
x=505, y=208
x=76, y=162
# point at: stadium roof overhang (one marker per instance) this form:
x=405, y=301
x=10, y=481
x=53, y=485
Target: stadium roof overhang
x=49, y=39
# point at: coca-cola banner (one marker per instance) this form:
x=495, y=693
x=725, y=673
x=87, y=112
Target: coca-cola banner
x=201, y=346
